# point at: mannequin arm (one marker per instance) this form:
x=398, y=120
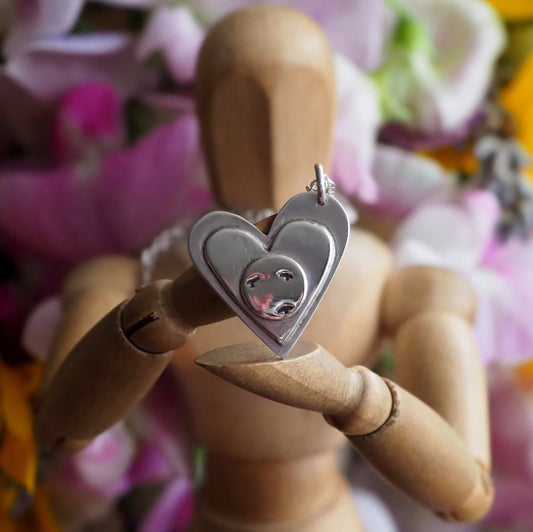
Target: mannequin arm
x=119, y=359
x=443, y=462
x=436, y=453
x=89, y=292
x=107, y=352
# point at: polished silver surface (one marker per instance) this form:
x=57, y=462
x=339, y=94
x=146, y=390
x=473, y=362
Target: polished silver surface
x=273, y=282
x=322, y=185
x=274, y=286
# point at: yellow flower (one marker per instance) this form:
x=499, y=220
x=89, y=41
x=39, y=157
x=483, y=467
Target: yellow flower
x=455, y=159
x=517, y=100
x=38, y=518
x=17, y=449
x=18, y=454
x=513, y=9
x=524, y=374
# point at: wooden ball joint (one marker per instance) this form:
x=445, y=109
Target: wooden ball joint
x=267, y=72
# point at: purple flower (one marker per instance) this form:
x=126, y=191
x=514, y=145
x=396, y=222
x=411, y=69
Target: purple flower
x=358, y=117
x=119, y=204
x=173, y=510
x=358, y=29
x=48, y=67
x=504, y=284
x=87, y=124
x=40, y=326
x=175, y=33
x=406, y=180
x=101, y=467
x=511, y=410
x=36, y=19
x=458, y=233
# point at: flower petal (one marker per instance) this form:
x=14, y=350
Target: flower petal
x=174, y=32
x=122, y=206
x=173, y=510
x=40, y=18
x=406, y=180
x=144, y=189
x=359, y=29
x=442, y=88
x=87, y=123
x=453, y=234
x=102, y=465
x=511, y=412
x=40, y=326
x=504, y=285
x=355, y=131
x=48, y=67
x=52, y=213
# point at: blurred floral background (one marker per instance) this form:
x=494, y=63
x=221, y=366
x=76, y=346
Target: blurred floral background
x=433, y=143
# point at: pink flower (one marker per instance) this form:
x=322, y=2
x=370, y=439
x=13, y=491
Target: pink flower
x=118, y=206
x=504, y=285
x=459, y=234
x=40, y=326
x=101, y=467
x=35, y=19
x=83, y=489
x=358, y=117
x=511, y=410
x=454, y=233
x=175, y=33
x=173, y=510
x=48, y=67
x=405, y=180
x=87, y=124
x=358, y=29
x=38, y=19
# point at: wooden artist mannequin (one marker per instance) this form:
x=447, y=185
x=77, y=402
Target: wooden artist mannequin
x=266, y=104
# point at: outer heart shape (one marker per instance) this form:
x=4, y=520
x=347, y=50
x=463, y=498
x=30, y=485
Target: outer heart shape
x=273, y=282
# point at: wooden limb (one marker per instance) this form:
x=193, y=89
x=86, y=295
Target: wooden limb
x=101, y=379
x=280, y=482
x=437, y=361
x=410, y=291
x=403, y=438
x=114, y=362
x=419, y=453
x=436, y=358
x=89, y=293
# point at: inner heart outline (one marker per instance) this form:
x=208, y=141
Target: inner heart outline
x=315, y=262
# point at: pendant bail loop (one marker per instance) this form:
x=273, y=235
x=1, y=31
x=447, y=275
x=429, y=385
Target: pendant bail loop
x=322, y=185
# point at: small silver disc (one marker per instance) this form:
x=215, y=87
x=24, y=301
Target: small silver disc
x=274, y=286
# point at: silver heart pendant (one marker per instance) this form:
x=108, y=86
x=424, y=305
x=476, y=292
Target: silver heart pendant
x=273, y=282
